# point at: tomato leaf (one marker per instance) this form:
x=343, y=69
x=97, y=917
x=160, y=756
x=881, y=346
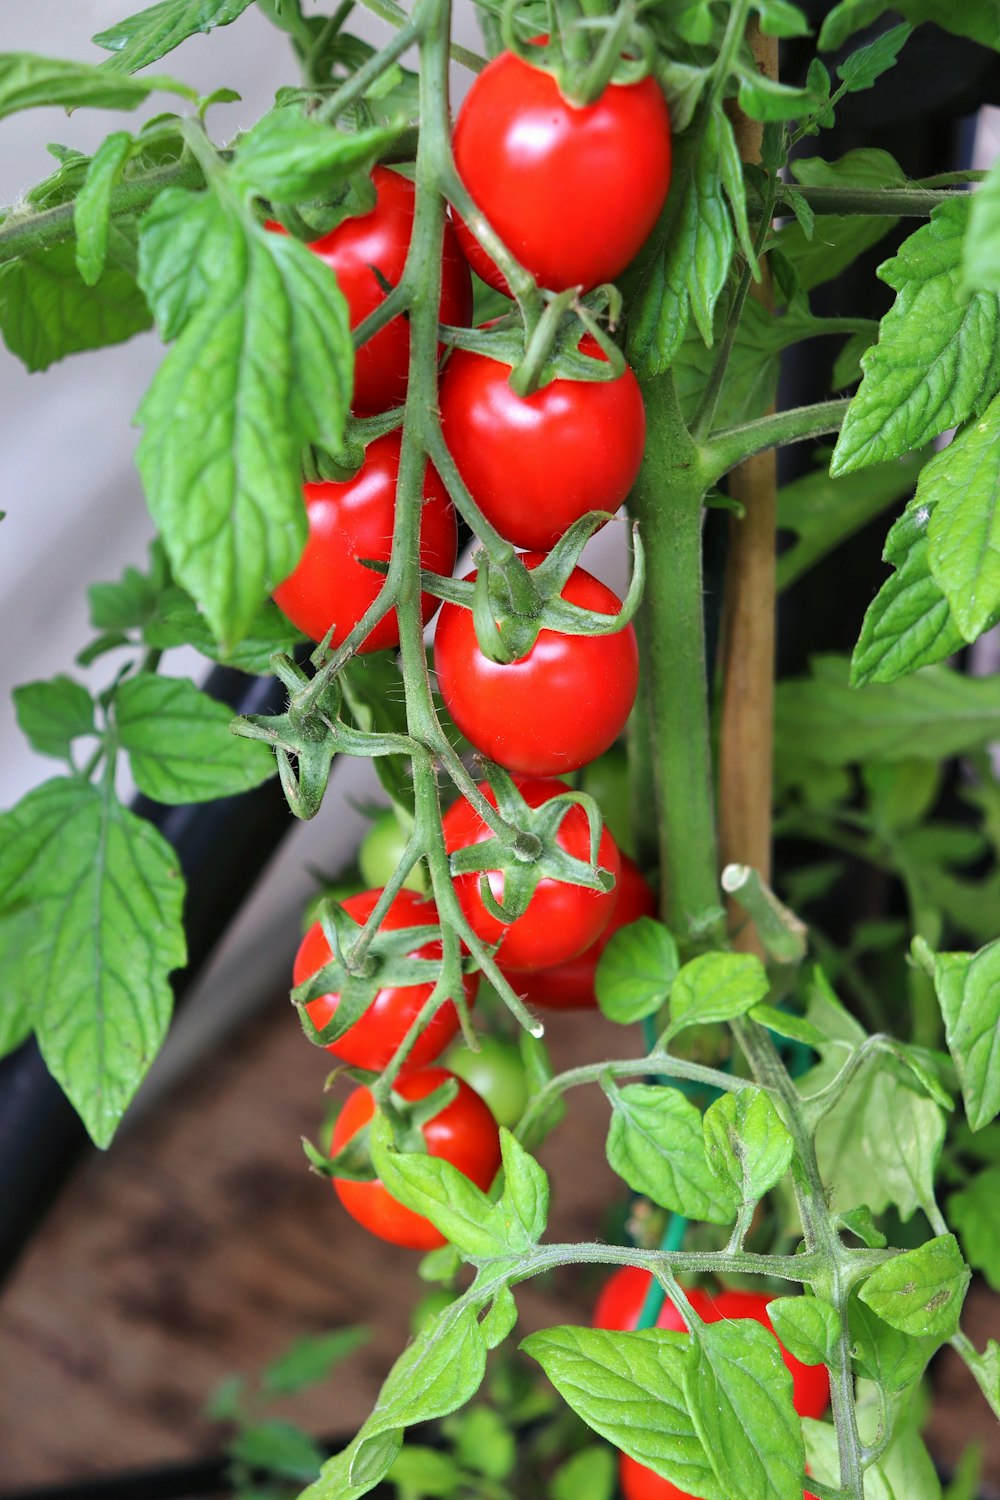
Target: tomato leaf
x=290, y=157
x=716, y=987
x=179, y=743
x=747, y=1143
x=525, y=1200
x=808, y=1327
x=884, y=1354
x=636, y=970
x=974, y=1212
x=92, y=211
x=53, y=714
x=656, y=1144
x=961, y=485
x=629, y=1387
x=425, y=1472
x=440, y=1192
x=28, y=81
x=150, y=34
x=978, y=19
x=864, y=66
x=980, y=253
x=739, y=1392
x=104, y=894
x=15, y=1015
x=968, y=991
x=922, y=1290
x=178, y=622
x=937, y=360
x=588, y=1475
x=310, y=1359
x=279, y=1448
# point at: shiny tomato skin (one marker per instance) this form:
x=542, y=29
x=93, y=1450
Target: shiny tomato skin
x=570, y=985
x=464, y=1133
x=573, y=193
x=353, y=520
x=380, y=240
x=372, y=1041
x=561, y=920
x=639, y=1483
x=535, y=464
x=555, y=709
x=620, y=1304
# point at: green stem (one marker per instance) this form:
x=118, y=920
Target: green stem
x=359, y=83
x=394, y=15
x=906, y=203
x=729, y=446
x=666, y=502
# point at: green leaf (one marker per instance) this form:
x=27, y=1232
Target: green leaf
x=764, y=98
x=28, y=81
x=752, y=373
x=588, y=1475
x=177, y=622
x=424, y=1471
x=837, y=239
x=778, y=18
x=656, y=1145
x=636, y=971
x=525, y=1199
x=133, y=598
x=150, y=34
x=932, y=714
x=291, y=157
x=978, y=19
x=747, y=1143
x=279, y=1448
x=968, y=991
x=439, y=1372
x=92, y=212
x=629, y=1388
x=859, y=1222
x=15, y=1014
x=823, y=512
x=188, y=246
x=981, y=251
x=739, y=1392
x=47, y=311
x=310, y=1359
x=808, y=1327
x=986, y=1368
x=716, y=987
x=483, y=1442
x=433, y=1187
x=909, y=623
x=53, y=714
x=961, y=487
x=921, y=1291
x=975, y=1213
x=937, y=360
x=895, y=1360
x=867, y=64
x=179, y=742
x=499, y=1321
x=261, y=368
x=786, y=1023
x=905, y=1472
x=104, y=893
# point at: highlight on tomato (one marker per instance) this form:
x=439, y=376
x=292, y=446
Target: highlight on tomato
x=572, y=192
x=464, y=1132
x=556, y=708
x=373, y=1039
x=561, y=920
x=368, y=254
x=353, y=520
x=535, y=464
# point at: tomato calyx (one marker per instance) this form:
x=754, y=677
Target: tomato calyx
x=532, y=853
x=321, y=465
x=585, y=52
x=406, y=1117
x=553, y=347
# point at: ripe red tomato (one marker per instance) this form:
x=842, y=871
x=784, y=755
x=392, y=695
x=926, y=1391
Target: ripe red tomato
x=353, y=520
x=536, y=463
x=639, y=1483
x=561, y=920
x=372, y=1041
x=570, y=985
x=573, y=193
x=464, y=1133
x=620, y=1304
x=378, y=242
x=556, y=708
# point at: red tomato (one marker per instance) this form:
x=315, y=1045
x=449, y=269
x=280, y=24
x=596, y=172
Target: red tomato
x=536, y=463
x=561, y=920
x=379, y=241
x=640, y=1483
x=553, y=710
x=620, y=1304
x=372, y=1041
x=353, y=520
x=570, y=985
x=573, y=193
x=464, y=1133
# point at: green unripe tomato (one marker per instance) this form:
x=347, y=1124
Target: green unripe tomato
x=606, y=780
x=497, y=1074
x=429, y=1306
x=382, y=849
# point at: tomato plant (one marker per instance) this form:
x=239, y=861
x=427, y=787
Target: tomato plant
x=639, y=1483
x=497, y=1074
x=463, y=1133
x=382, y=849
x=375, y=1035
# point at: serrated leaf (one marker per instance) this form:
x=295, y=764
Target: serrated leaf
x=656, y=1144
x=981, y=250
x=921, y=1291
x=290, y=157
x=179, y=742
x=525, y=1199
x=92, y=211
x=636, y=970
x=629, y=1388
x=937, y=361
x=978, y=19
x=104, y=892
x=434, y=1188
x=767, y=99
x=47, y=311
x=188, y=245
x=310, y=1359
x=28, y=81
x=968, y=991
x=975, y=1213
x=739, y=1392
x=863, y=67
x=747, y=1143
x=150, y=34
x=961, y=487
x=716, y=987
x=177, y=622
x=53, y=714
x=808, y=1327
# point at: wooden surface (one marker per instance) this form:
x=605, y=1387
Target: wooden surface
x=201, y=1245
